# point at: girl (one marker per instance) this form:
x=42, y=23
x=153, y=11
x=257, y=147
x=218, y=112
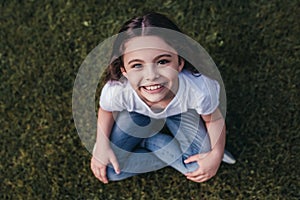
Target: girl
x=151, y=88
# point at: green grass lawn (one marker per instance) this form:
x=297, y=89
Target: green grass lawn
x=255, y=45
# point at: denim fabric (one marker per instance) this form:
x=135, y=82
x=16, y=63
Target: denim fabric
x=141, y=147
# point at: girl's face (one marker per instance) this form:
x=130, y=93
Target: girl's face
x=151, y=67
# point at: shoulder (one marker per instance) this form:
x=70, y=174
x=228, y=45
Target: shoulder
x=203, y=92
x=199, y=82
x=114, y=95
x=114, y=87
x=116, y=84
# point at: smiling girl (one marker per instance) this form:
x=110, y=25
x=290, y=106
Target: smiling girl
x=149, y=88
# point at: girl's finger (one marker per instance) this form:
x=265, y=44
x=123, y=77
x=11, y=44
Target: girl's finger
x=115, y=165
x=96, y=172
x=195, y=173
x=198, y=179
x=190, y=159
x=103, y=175
x=196, y=157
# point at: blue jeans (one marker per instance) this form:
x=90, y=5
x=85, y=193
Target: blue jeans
x=140, y=146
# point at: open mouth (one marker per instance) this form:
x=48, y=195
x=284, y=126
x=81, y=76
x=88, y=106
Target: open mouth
x=152, y=87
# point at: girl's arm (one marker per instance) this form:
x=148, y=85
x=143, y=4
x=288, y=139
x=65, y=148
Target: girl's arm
x=105, y=122
x=210, y=162
x=103, y=154
x=216, y=129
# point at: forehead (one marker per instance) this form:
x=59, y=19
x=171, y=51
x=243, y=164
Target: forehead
x=147, y=42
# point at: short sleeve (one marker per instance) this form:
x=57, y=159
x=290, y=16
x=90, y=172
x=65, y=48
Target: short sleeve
x=111, y=96
x=208, y=100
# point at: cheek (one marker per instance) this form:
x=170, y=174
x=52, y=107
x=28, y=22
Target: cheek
x=169, y=72
x=133, y=78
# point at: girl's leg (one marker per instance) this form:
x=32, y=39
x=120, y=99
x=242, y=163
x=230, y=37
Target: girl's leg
x=190, y=132
x=128, y=132
x=190, y=138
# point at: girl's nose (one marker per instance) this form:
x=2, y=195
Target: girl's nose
x=151, y=72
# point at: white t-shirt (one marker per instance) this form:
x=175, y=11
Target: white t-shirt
x=195, y=92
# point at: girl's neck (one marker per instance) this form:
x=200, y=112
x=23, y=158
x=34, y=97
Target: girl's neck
x=160, y=106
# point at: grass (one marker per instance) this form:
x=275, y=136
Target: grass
x=255, y=45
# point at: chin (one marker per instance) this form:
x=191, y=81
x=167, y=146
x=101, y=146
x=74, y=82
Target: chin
x=152, y=101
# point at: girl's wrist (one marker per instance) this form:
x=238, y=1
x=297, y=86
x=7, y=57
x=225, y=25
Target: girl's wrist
x=102, y=140
x=101, y=146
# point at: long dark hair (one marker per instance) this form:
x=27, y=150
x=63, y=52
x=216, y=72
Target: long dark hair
x=142, y=26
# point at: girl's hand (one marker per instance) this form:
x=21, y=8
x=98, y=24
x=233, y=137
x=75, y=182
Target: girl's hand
x=208, y=166
x=100, y=162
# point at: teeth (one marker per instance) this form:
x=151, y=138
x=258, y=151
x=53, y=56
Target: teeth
x=153, y=87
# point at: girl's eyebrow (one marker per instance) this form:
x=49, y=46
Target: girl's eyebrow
x=156, y=58
x=134, y=60
x=162, y=55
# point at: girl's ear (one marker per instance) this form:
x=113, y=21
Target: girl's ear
x=181, y=64
x=124, y=72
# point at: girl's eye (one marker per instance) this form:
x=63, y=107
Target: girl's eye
x=163, y=62
x=136, y=66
